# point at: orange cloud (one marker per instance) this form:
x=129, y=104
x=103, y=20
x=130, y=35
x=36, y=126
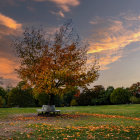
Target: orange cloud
x=105, y=61
x=8, y=27
x=105, y=58
x=7, y=68
x=110, y=37
x=64, y=4
x=114, y=43
x=60, y=13
x=9, y=22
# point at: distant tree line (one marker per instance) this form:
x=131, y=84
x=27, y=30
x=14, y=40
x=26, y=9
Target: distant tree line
x=98, y=95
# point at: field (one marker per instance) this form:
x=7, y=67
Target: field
x=88, y=122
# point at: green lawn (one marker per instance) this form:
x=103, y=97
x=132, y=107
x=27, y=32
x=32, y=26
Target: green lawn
x=124, y=110
x=84, y=122
x=132, y=110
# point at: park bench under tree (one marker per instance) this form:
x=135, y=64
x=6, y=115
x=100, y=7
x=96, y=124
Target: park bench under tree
x=48, y=109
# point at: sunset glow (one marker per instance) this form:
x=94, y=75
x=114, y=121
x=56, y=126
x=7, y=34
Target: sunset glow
x=111, y=29
x=9, y=22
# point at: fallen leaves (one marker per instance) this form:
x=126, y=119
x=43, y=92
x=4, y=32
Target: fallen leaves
x=109, y=116
x=73, y=116
x=53, y=128
x=87, y=132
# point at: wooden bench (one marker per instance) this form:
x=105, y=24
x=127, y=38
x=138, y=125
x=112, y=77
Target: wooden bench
x=47, y=109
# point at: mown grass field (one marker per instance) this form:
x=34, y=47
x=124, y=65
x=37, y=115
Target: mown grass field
x=88, y=122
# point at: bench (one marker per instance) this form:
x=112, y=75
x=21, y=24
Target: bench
x=47, y=109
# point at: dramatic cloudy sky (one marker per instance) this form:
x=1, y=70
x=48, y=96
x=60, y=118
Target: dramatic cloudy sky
x=111, y=27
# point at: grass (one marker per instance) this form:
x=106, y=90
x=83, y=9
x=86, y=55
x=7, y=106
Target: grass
x=132, y=110
x=6, y=112
x=88, y=122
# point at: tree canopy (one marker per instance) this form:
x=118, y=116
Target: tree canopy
x=54, y=64
x=135, y=89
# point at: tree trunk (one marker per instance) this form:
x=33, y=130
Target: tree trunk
x=51, y=106
x=51, y=99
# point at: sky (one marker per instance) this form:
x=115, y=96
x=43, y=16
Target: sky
x=111, y=28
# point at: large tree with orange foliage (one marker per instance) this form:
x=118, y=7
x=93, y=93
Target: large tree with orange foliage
x=54, y=64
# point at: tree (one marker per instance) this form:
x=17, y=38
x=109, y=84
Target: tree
x=85, y=97
x=21, y=97
x=134, y=100
x=42, y=98
x=2, y=92
x=73, y=102
x=98, y=95
x=108, y=92
x=110, y=89
x=120, y=96
x=2, y=102
x=54, y=65
x=69, y=96
x=135, y=89
x=98, y=89
x=4, y=96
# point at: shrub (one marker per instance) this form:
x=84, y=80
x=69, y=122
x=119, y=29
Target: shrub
x=43, y=98
x=58, y=100
x=120, y=96
x=21, y=98
x=99, y=96
x=135, y=89
x=2, y=92
x=94, y=101
x=134, y=100
x=2, y=102
x=73, y=102
x=68, y=96
x=4, y=96
x=84, y=98
x=108, y=92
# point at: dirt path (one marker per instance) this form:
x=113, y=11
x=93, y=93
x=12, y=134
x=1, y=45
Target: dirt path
x=18, y=124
